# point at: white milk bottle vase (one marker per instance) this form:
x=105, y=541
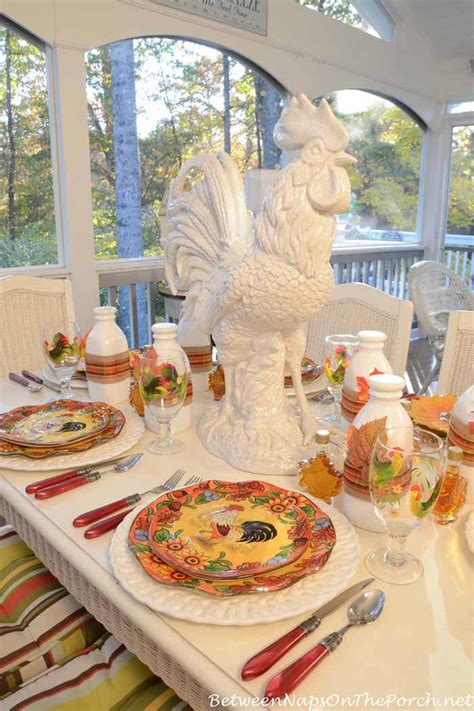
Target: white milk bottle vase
x=165, y=344
x=107, y=359
x=198, y=348
x=384, y=403
x=369, y=360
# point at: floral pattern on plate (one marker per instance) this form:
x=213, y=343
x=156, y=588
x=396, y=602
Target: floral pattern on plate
x=54, y=424
x=214, y=533
x=321, y=543
x=113, y=428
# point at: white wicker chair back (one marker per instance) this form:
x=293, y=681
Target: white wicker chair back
x=457, y=367
x=357, y=307
x=27, y=305
x=436, y=291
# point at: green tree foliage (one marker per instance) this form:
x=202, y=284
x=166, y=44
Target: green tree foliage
x=182, y=92
x=461, y=196
x=387, y=144
x=27, y=224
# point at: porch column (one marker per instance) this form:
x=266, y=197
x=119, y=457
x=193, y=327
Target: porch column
x=434, y=184
x=71, y=135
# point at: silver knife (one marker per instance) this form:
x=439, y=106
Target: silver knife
x=266, y=658
x=36, y=379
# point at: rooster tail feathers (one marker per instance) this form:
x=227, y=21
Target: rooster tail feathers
x=208, y=223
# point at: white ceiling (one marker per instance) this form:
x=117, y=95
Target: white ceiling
x=447, y=25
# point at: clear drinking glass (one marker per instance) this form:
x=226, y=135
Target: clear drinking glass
x=338, y=353
x=163, y=383
x=62, y=350
x=404, y=485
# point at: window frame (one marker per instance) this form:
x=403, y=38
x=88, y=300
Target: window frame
x=59, y=268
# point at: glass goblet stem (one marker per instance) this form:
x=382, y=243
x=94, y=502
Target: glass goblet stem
x=395, y=551
x=164, y=433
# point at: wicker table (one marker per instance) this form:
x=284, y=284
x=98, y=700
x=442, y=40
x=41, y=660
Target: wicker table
x=422, y=643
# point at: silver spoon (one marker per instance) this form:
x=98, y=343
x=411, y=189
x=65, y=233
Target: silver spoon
x=364, y=610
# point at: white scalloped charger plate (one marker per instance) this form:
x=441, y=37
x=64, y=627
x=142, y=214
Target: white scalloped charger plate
x=132, y=432
x=304, y=596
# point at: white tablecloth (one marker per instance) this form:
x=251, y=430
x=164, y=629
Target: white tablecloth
x=421, y=648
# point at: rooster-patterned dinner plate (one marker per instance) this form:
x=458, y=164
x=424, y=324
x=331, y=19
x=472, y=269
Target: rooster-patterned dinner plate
x=166, y=510
x=55, y=424
x=217, y=534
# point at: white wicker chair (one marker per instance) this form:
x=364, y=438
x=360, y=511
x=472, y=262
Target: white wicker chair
x=27, y=305
x=358, y=307
x=457, y=367
x=436, y=291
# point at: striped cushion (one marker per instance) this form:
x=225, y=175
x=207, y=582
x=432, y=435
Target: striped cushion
x=55, y=655
x=41, y=625
x=106, y=677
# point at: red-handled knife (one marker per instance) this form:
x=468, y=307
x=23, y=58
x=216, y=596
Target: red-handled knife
x=262, y=661
x=108, y=524
x=72, y=483
x=65, y=476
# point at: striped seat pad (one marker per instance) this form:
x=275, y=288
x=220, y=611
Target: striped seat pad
x=106, y=677
x=41, y=625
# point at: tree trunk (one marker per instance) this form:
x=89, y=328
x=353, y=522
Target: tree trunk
x=267, y=108
x=226, y=77
x=11, y=228
x=128, y=215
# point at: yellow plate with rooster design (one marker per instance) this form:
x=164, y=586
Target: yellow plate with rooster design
x=217, y=533
x=321, y=543
x=55, y=424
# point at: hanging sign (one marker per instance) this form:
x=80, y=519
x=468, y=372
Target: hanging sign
x=248, y=14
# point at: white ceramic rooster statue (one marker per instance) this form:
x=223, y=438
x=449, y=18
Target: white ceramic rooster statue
x=255, y=286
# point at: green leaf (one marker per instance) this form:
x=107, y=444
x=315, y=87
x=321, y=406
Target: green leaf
x=161, y=535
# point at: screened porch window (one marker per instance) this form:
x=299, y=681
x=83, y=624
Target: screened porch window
x=370, y=16
x=27, y=218
x=387, y=143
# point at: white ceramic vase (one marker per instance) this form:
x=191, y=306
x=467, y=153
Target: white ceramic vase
x=368, y=358
x=462, y=414
x=107, y=359
x=385, y=395
x=198, y=348
x=165, y=343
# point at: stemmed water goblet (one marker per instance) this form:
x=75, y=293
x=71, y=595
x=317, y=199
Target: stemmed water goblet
x=338, y=353
x=62, y=349
x=163, y=383
x=404, y=483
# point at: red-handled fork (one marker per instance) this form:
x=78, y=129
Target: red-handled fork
x=113, y=521
x=88, y=517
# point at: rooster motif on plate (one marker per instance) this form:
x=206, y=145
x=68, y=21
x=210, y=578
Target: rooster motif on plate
x=254, y=284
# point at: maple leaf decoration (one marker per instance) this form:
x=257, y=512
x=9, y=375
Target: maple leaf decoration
x=363, y=392
x=360, y=442
x=433, y=412
x=216, y=381
x=320, y=479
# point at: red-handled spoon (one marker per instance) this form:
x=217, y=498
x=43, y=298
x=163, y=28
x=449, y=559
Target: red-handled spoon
x=367, y=608
x=58, y=479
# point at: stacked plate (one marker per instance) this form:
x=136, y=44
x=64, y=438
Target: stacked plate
x=62, y=426
x=225, y=538
x=460, y=435
x=351, y=404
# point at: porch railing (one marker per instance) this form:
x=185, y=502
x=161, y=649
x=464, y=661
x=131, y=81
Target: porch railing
x=460, y=259
x=137, y=282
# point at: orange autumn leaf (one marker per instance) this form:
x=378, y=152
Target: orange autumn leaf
x=433, y=412
x=363, y=392
x=361, y=440
x=320, y=479
x=217, y=382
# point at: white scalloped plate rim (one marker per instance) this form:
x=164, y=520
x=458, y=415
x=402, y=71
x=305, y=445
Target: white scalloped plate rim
x=131, y=433
x=304, y=596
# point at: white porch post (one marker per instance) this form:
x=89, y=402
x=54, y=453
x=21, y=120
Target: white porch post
x=434, y=183
x=75, y=203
